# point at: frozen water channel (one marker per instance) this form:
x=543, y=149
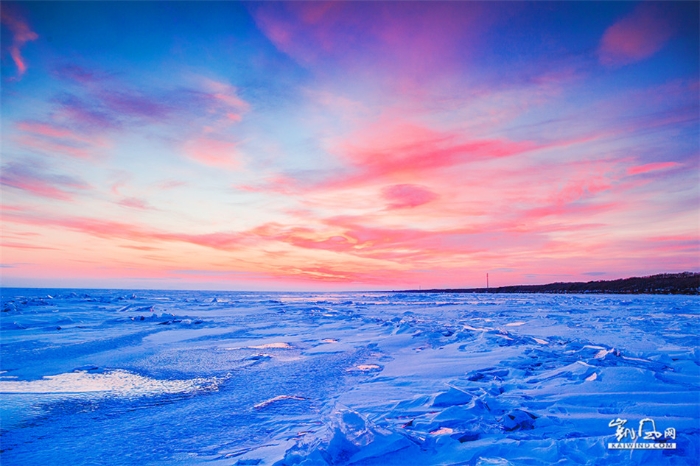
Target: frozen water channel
x=168, y=377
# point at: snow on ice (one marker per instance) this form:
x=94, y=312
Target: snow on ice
x=156, y=377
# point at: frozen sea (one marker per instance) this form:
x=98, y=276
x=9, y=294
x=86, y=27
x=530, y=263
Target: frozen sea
x=223, y=378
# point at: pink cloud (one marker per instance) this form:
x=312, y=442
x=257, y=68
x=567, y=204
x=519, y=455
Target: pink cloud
x=109, y=229
x=534, y=199
x=21, y=34
x=33, y=179
x=218, y=240
x=118, y=185
x=637, y=36
x=140, y=248
x=51, y=138
x=327, y=273
x=651, y=167
x=171, y=184
x=392, y=151
x=227, y=95
x=354, y=239
x=307, y=238
x=360, y=244
x=217, y=106
x=584, y=185
x=134, y=203
x=279, y=184
x=571, y=210
x=52, y=147
x=390, y=148
x=688, y=239
x=47, y=130
x=213, y=152
x=407, y=195
x=357, y=237
x=13, y=245
x=37, y=187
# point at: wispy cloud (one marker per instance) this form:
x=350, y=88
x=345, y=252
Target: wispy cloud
x=89, y=117
x=50, y=138
x=111, y=229
x=171, y=184
x=35, y=179
x=134, y=203
x=651, y=167
x=15, y=245
x=21, y=34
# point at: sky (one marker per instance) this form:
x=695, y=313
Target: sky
x=347, y=146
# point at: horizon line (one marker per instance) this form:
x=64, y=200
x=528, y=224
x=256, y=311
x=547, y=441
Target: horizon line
x=3, y=287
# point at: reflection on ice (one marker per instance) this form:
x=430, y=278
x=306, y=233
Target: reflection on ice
x=117, y=382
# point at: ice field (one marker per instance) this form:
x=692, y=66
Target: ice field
x=175, y=377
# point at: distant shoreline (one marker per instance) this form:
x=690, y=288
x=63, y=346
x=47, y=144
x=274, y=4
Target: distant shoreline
x=685, y=283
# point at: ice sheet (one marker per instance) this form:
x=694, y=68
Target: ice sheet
x=162, y=377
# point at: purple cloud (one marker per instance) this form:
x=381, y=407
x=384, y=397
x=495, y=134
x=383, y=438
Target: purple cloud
x=32, y=178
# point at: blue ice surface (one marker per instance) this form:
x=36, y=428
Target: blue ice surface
x=226, y=378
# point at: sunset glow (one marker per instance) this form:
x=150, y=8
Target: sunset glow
x=348, y=146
